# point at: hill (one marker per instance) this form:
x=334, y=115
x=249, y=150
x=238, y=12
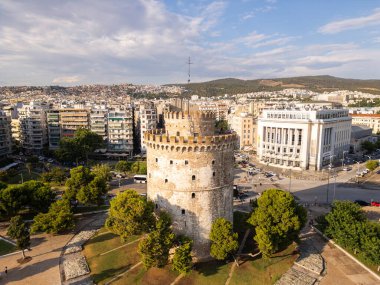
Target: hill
x=319, y=83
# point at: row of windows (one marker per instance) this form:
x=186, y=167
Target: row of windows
x=192, y=177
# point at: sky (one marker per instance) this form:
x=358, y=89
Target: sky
x=72, y=42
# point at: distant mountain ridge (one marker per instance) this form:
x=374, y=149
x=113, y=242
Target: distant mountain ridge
x=319, y=83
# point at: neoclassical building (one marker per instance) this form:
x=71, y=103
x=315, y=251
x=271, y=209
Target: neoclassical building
x=303, y=137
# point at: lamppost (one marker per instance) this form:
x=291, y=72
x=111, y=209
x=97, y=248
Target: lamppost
x=328, y=178
x=345, y=151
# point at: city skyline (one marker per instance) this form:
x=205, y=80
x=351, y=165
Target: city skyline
x=85, y=42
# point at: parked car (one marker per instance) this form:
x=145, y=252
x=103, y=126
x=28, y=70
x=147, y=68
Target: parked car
x=362, y=203
x=347, y=168
x=375, y=203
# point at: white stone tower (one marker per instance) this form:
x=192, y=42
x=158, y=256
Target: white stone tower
x=190, y=174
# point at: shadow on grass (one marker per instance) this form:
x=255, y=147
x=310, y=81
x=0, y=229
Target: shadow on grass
x=110, y=273
x=209, y=268
x=101, y=238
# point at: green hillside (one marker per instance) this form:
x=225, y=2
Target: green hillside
x=316, y=83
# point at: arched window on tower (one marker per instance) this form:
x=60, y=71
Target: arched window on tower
x=192, y=195
x=183, y=211
x=193, y=177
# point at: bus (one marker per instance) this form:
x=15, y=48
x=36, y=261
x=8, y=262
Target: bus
x=139, y=178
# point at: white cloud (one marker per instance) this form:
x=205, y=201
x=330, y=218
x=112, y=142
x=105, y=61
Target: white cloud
x=350, y=24
x=67, y=79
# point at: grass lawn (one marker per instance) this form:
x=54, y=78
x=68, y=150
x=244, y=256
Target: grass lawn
x=89, y=208
x=261, y=271
x=154, y=276
x=208, y=273
x=6, y=247
x=105, y=267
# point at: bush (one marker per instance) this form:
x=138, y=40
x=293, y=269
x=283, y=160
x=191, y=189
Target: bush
x=372, y=164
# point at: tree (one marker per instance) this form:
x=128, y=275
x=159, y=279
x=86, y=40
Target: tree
x=19, y=231
x=93, y=192
x=277, y=219
x=130, y=214
x=13, y=199
x=123, y=166
x=139, y=167
x=40, y=195
x=59, y=218
x=345, y=223
x=154, y=248
x=80, y=146
x=224, y=240
x=3, y=185
x=368, y=146
x=79, y=177
x=58, y=175
x=221, y=126
x=103, y=171
x=371, y=164
x=370, y=242
x=182, y=260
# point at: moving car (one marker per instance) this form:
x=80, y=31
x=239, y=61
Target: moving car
x=375, y=203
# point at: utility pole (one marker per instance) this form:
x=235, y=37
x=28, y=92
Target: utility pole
x=188, y=71
x=328, y=185
x=334, y=185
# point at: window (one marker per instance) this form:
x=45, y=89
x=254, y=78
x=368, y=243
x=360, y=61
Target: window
x=178, y=134
x=171, y=162
x=193, y=177
x=192, y=195
x=213, y=174
x=156, y=159
x=186, y=162
x=166, y=181
x=183, y=211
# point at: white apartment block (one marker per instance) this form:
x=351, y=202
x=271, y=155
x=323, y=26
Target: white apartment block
x=98, y=121
x=244, y=125
x=369, y=120
x=303, y=138
x=120, y=131
x=33, y=130
x=147, y=121
x=5, y=135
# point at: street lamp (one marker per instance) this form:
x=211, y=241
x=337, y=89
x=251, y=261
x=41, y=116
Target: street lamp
x=328, y=178
x=345, y=151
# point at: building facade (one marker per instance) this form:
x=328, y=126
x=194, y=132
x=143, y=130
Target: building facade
x=33, y=129
x=369, y=120
x=303, y=138
x=190, y=174
x=147, y=121
x=245, y=126
x=5, y=135
x=120, y=131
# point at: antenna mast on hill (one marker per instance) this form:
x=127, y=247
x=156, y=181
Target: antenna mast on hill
x=188, y=73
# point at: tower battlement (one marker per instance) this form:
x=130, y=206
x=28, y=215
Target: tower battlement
x=178, y=115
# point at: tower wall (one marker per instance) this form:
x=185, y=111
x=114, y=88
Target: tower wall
x=191, y=178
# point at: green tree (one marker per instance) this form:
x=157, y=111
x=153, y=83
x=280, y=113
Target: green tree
x=58, y=175
x=368, y=146
x=79, y=177
x=130, y=214
x=370, y=242
x=40, y=195
x=13, y=199
x=371, y=164
x=223, y=240
x=19, y=231
x=139, y=167
x=277, y=219
x=3, y=185
x=59, y=218
x=221, y=126
x=154, y=248
x=345, y=224
x=103, y=171
x=68, y=150
x=93, y=192
x=123, y=166
x=182, y=260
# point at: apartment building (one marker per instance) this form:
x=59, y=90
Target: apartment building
x=72, y=119
x=98, y=121
x=33, y=129
x=245, y=126
x=53, y=128
x=147, y=121
x=120, y=131
x=5, y=135
x=369, y=120
x=303, y=138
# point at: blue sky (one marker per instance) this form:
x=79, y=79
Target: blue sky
x=59, y=42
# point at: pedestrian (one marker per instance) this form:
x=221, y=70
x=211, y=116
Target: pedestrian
x=6, y=270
